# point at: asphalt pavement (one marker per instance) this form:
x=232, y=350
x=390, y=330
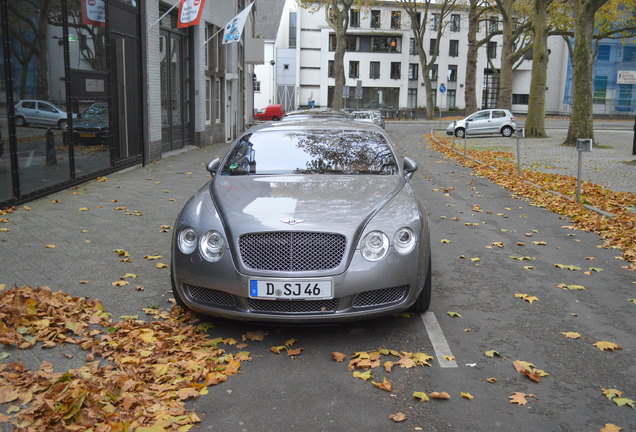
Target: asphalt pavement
x=131, y=209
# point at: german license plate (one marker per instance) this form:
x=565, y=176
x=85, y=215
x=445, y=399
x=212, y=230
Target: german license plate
x=87, y=135
x=291, y=289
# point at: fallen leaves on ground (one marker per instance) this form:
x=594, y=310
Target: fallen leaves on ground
x=468, y=396
x=611, y=427
x=398, y=417
x=385, y=385
x=136, y=374
x=439, y=395
x=571, y=335
x=617, y=231
x=520, y=398
x=527, y=297
x=607, y=346
x=529, y=370
x=616, y=396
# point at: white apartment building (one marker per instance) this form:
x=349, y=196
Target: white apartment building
x=382, y=67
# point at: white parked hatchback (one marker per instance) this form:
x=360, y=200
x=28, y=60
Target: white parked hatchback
x=489, y=121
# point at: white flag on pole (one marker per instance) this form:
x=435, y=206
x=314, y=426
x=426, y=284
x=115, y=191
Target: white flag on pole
x=234, y=28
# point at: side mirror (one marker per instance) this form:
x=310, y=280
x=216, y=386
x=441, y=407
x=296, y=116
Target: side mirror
x=410, y=166
x=469, y=119
x=213, y=165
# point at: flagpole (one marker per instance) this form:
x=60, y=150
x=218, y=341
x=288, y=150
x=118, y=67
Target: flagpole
x=164, y=15
x=211, y=37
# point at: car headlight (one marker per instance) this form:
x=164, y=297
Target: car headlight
x=404, y=241
x=212, y=245
x=187, y=240
x=374, y=246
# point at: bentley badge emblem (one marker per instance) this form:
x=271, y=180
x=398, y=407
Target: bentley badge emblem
x=292, y=221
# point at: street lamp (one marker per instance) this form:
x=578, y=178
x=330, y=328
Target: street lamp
x=271, y=99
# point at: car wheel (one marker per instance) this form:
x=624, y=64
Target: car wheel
x=506, y=131
x=459, y=132
x=424, y=300
x=175, y=293
x=19, y=121
x=62, y=125
x=275, y=118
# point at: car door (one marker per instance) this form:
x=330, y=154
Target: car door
x=479, y=123
x=28, y=109
x=498, y=119
x=47, y=114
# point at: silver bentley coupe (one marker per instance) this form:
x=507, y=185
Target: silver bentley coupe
x=304, y=222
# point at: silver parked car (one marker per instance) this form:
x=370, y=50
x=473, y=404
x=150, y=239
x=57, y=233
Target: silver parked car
x=38, y=112
x=489, y=121
x=369, y=116
x=304, y=222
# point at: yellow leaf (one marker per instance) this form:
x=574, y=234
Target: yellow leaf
x=290, y=342
x=475, y=259
x=421, y=396
x=161, y=265
x=384, y=385
x=130, y=276
x=571, y=335
x=449, y=358
x=388, y=366
x=398, y=417
x=83, y=209
x=362, y=375
x=611, y=427
x=527, y=297
x=607, y=346
x=153, y=257
x=50, y=246
x=439, y=395
x=338, y=356
x=612, y=393
x=519, y=398
x=121, y=252
x=120, y=283
x=294, y=352
x=445, y=241
x=467, y=396
x=540, y=243
x=492, y=380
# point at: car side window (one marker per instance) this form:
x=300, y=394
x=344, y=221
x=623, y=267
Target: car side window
x=28, y=104
x=498, y=114
x=481, y=115
x=46, y=107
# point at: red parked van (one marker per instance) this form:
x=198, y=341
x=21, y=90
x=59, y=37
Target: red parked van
x=270, y=113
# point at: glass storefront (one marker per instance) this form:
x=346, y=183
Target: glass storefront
x=59, y=107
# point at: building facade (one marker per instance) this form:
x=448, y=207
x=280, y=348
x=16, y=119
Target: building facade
x=88, y=87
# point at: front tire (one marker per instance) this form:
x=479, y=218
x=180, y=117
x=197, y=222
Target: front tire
x=459, y=132
x=62, y=125
x=423, y=301
x=20, y=121
x=506, y=131
x=275, y=118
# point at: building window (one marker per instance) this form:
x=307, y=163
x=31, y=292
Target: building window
x=603, y=52
x=455, y=23
x=332, y=42
x=388, y=44
x=625, y=97
x=600, y=89
x=453, y=48
x=451, y=96
x=206, y=48
x=396, y=70
x=452, y=73
x=432, y=47
x=492, y=50
x=411, y=98
x=412, y=50
x=629, y=54
x=208, y=100
x=418, y=17
x=352, y=43
x=493, y=25
x=396, y=20
x=354, y=69
x=292, y=29
x=435, y=21
x=432, y=73
x=520, y=99
x=218, y=98
x=354, y=18
x=374, y=70
x=375, y=19
x=331, y=72
x=257, y=86
x=413, y=71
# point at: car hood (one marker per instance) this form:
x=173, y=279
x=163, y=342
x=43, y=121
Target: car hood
x=91, y=123
x=326, y=203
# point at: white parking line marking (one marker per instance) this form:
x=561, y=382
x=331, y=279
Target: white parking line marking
x=438, y=340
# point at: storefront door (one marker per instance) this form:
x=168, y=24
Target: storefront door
x=173, y=90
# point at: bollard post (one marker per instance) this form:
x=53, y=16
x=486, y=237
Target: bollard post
x=520, y=133
x=582, y=145
x=51, y=158
x=466, y=136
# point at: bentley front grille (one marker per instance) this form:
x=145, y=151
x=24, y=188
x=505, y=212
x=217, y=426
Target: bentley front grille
x=292, y=306
x=380, y=297
x=292, y=251
x=209, y=296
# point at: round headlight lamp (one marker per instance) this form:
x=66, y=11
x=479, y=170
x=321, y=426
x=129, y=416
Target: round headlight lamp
x=404, y=241
x=212, y=245
x=187, y=240
x=374, y=246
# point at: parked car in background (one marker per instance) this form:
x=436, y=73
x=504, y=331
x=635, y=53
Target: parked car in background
x=92, y=127
x=369, y=116
x=38, y=112
x=484, y=122
x=317, y=114
x=270, y=113
x=307, y=221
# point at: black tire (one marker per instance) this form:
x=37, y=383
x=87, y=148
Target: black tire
x=506, y=131
x=275, y=118
x=20, y=121
x=423, y=302
x=175, y=293
x=459, y=132
x=62, y=125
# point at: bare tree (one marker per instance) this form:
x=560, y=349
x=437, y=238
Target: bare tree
x=476, y=10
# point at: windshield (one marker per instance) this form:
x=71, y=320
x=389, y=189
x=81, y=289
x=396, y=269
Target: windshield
x=96, y=111
x=311, y=152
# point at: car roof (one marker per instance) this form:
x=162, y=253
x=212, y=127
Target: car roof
x=316, y=125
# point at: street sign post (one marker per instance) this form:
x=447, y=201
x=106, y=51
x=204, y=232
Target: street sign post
x=582, y=145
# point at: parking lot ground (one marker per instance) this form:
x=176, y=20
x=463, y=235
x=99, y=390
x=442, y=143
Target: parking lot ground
x=473, y=278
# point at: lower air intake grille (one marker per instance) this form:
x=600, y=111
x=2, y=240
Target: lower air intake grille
x=292, y=306
x=209, y=296
x=380, y=297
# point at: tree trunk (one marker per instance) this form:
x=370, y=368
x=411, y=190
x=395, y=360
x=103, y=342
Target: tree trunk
x=338, y=66
x=581, y=122
x=428, y=91
x=504, y=99
x=535, y=125
x=470, y=95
